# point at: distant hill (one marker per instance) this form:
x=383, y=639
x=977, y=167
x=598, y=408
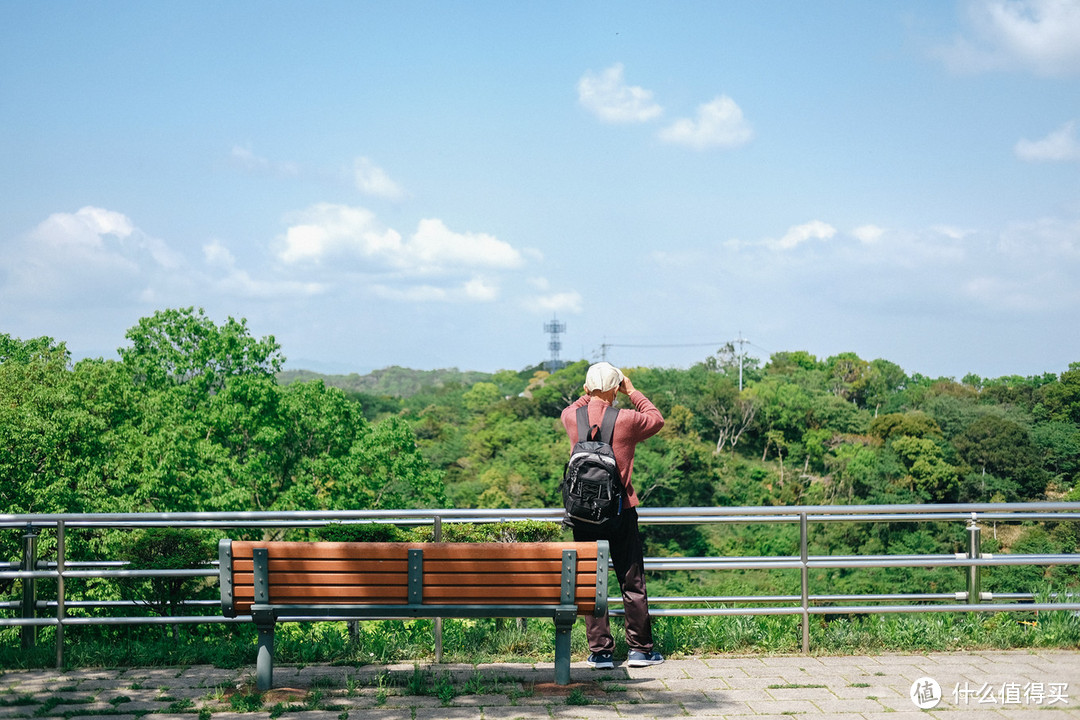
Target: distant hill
x=394, y=381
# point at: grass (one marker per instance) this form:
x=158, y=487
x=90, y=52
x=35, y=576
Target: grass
x=485, y=640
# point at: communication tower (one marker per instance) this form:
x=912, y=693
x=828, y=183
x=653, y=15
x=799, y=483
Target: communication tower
x=554, y=328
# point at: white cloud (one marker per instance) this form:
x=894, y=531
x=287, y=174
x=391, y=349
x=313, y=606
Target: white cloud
x=480, y=289
x=246, y=159
x=1060, y=145
x=557, y=302
x=217, y=255
x=1040, y=36
x=326, y=230
x=329, y=231
x=412, y=294
x=719, y=124
x=799, y=234
x=1053, y=239
x=239, y=282
x=373, y=180
x=470, y=291
x=952, y=232
x=436, y=246
x=868, y=234
x=92, y=247
x=1006, y=294
x=607, y=96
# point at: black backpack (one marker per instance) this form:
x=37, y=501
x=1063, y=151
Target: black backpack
x=592, y=489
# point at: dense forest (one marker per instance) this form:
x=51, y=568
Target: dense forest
x=199, y=416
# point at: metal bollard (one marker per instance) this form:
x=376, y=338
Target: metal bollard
x=974, y=572
x=29, y=587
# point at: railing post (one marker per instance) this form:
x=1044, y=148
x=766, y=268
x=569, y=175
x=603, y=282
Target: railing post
x=805, y=573
x=29, y=587
x=60, y=595
x=437, y=629
x=974, y=572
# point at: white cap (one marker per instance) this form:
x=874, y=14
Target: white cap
x=602, y=377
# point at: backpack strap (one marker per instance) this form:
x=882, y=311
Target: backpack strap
x=607, y=425
x=604, y=433
x=583, y=429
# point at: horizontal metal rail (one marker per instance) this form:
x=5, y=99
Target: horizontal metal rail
x=805, y=603
x=817, y=513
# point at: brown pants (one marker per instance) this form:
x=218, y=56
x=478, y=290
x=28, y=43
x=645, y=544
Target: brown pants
x=629, y=561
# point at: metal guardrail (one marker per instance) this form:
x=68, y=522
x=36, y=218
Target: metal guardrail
x=972, y=598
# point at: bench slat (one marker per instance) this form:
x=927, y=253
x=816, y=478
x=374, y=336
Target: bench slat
x=399, y=551
x=364, y=566
x=296, y=594
x=247, y=565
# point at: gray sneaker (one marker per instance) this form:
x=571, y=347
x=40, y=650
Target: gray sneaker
x=640, y=658
x=601, y=661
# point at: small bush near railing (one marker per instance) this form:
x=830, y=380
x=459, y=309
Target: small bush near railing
x=165, y=548
x=516, y=531
x=364, y=532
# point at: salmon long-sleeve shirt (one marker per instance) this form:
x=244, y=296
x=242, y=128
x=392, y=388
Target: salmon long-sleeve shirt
x=631, y=427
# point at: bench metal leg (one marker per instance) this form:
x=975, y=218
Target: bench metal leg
x=562, y=652
x=264, y=662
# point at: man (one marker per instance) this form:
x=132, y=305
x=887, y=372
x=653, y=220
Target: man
x=603, y=383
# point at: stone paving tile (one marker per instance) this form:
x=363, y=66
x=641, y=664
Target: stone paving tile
x=782, y=707
x=848, y=692
x=735, y=695
x=371, y=714
x=449, y=713
x=313, y=715
x=758, y=683
x=848, y=705
x=13, y=711
x=1030, y=714
x=515, y=713
x=719, y=661
x=695, y=685
x=812, y=694
x=717, y=709
x=759, y=670
x=660, y=710
x=482, y=700
x=785, y=661
x=590, y=711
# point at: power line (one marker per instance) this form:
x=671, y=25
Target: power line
x=604, y=346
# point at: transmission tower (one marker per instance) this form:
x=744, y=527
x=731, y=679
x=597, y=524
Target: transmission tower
x=554, y=328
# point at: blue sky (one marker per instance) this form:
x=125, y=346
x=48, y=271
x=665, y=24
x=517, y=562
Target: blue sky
x=426, y=184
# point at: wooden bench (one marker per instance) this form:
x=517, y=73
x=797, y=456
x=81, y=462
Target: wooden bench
x=309, y=581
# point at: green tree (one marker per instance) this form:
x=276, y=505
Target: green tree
x=1061, y=400
x=180, y=347
x=1059, y=444
x=915, y=423
x=927, y=473
x=1003, y=448
x=848, y=376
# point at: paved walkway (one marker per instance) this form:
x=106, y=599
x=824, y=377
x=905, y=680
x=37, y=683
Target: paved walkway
x=1042, y=684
